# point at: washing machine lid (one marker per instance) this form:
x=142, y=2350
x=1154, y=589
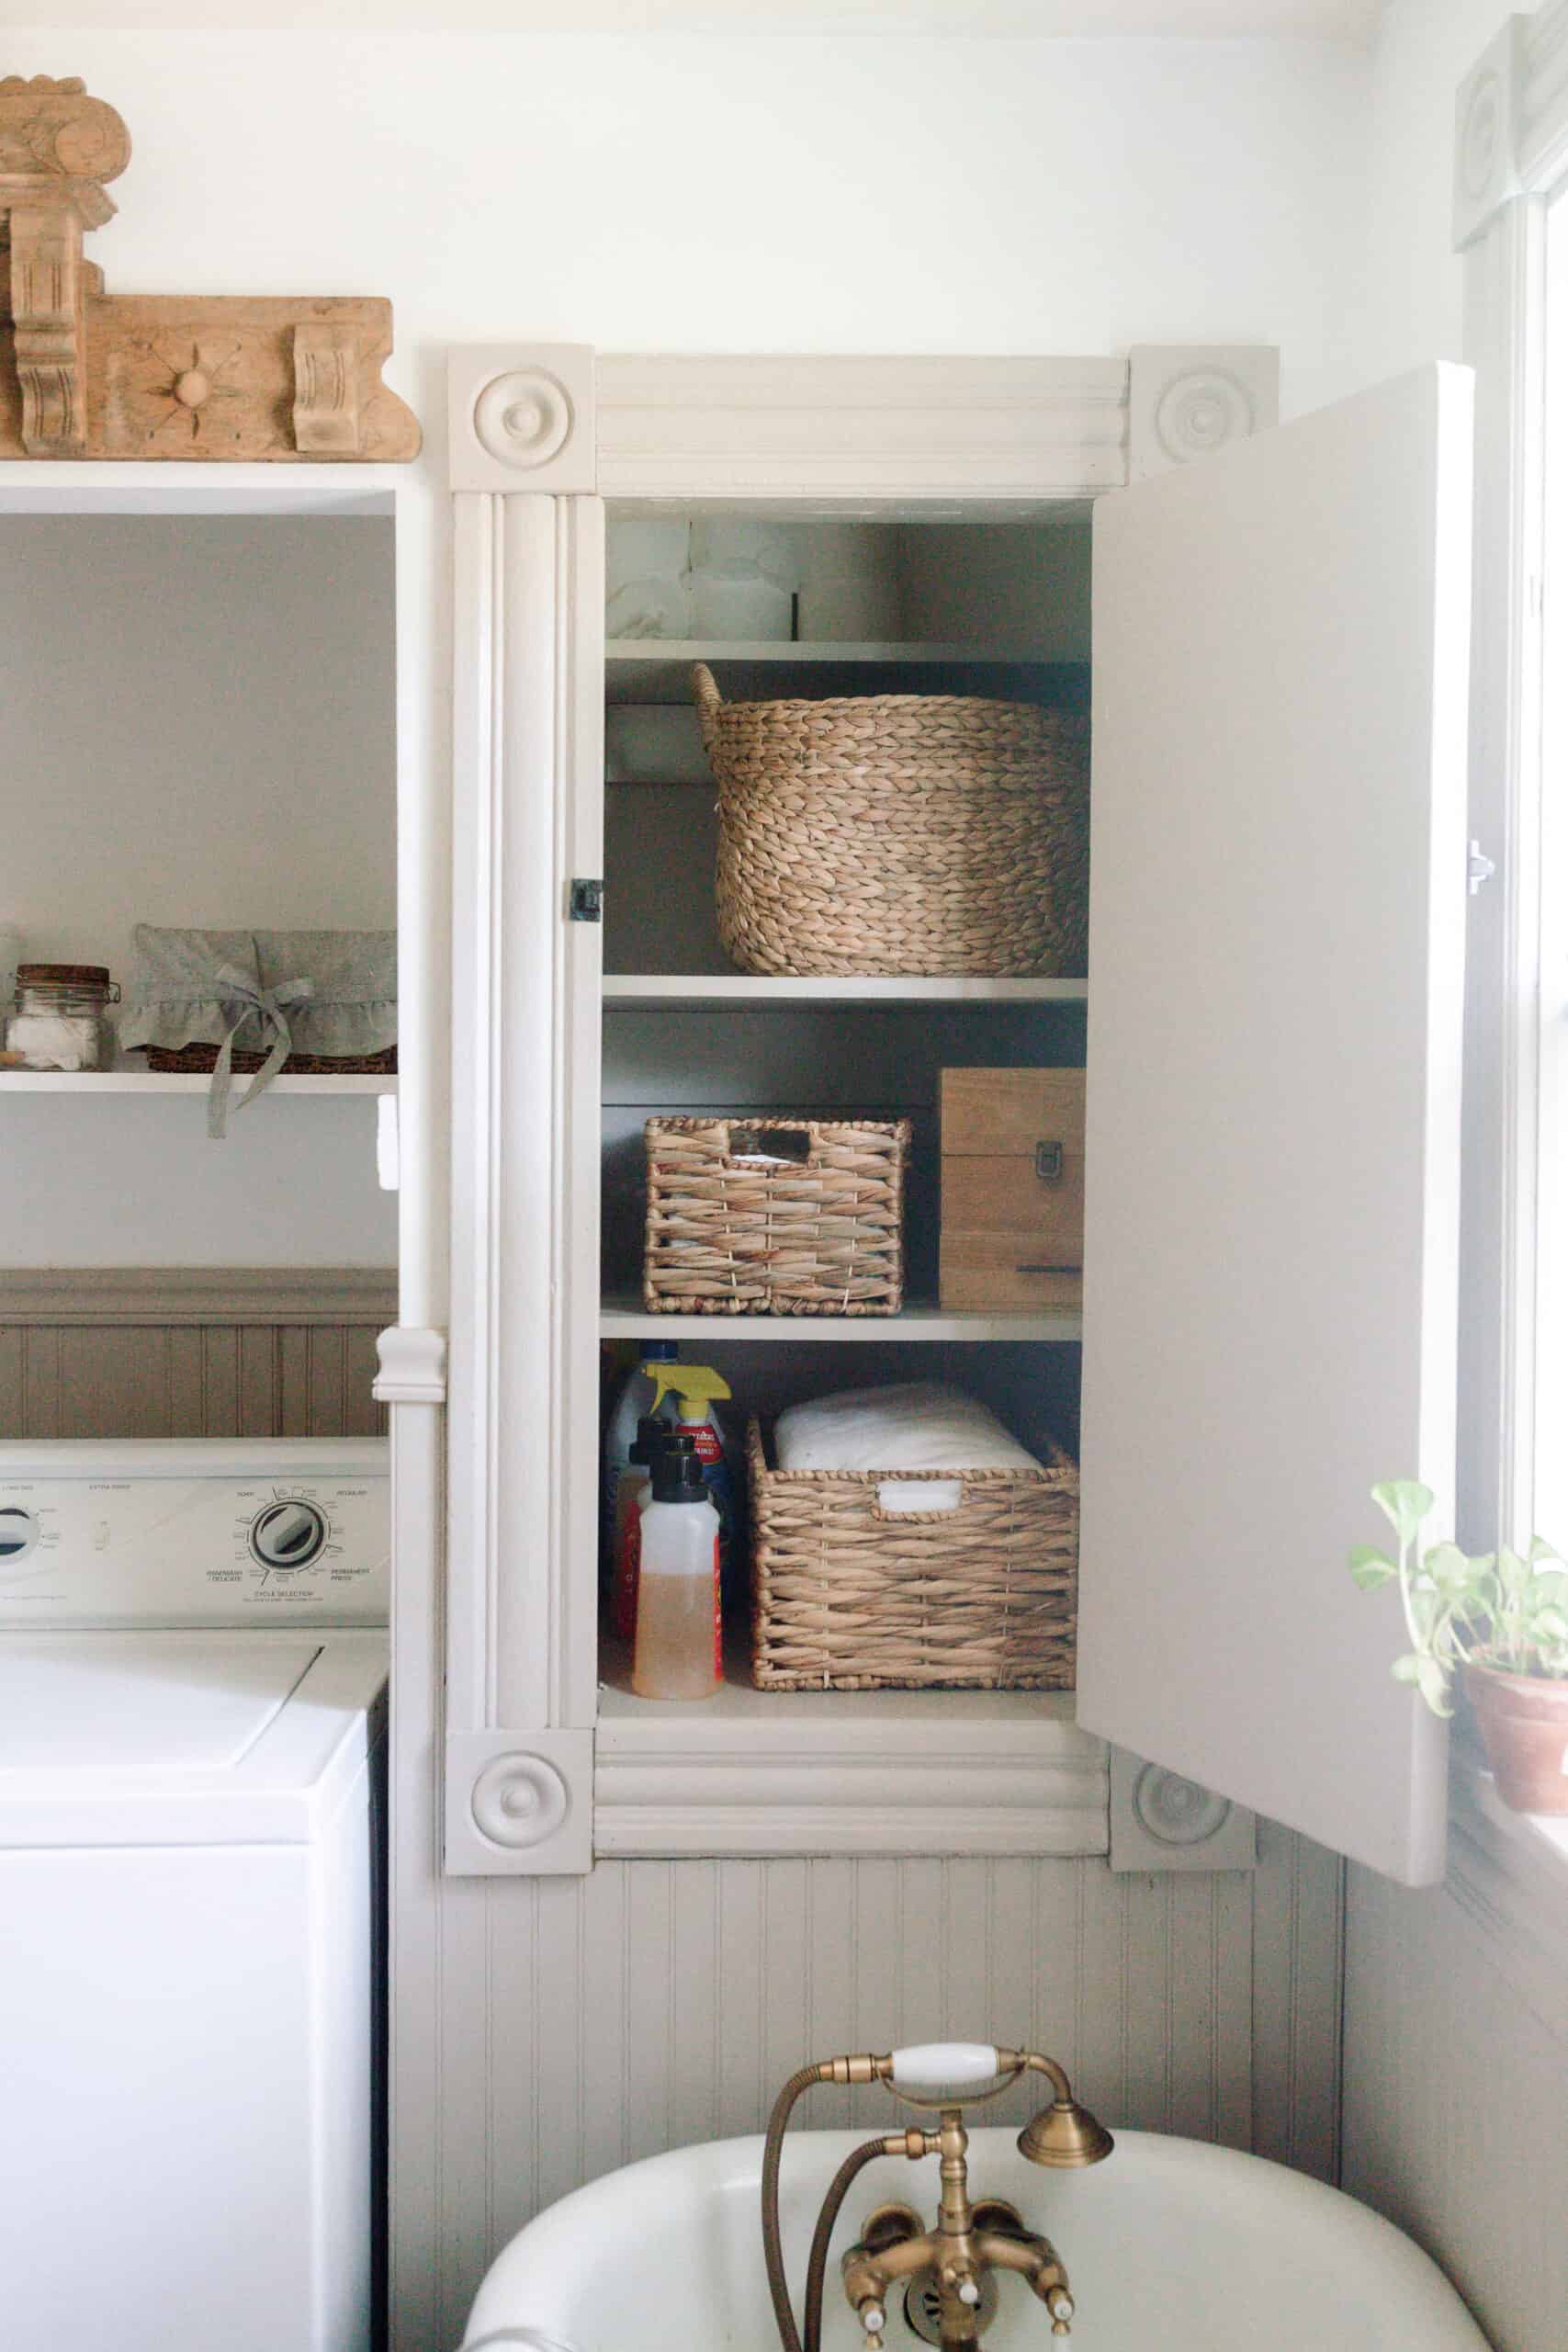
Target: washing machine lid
x=210, y=1738
x=151, y=1702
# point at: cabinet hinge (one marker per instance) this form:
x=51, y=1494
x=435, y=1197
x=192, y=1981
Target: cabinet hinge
x=1479, y=869
x=586, y=903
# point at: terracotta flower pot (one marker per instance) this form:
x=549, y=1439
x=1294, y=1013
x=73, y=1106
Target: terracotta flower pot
x=1523, y=1722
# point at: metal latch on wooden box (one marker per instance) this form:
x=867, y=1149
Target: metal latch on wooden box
x=1048, y=1162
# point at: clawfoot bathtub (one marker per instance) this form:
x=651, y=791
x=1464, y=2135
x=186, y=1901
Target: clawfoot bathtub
x=1170, y=2246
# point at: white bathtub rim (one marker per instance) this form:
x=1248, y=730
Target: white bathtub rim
x=520, y=2302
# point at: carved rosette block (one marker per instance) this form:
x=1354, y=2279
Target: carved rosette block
x=519, y=1803
x=1162, y=1821
x=1183, y=405
x=84, y=374
x=1486, y=173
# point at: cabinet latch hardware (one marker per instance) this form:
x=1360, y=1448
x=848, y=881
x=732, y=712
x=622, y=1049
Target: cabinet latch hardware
x=1048, y=1162
x=587, y=902
x=1480, y=869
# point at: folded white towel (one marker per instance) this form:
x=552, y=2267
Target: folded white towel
x=916, y=1425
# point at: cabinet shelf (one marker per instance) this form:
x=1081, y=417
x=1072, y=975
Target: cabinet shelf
x=708, y=990
x=645, y=669
x=626, y=1319
x=762, y=1772
x=157, y=1081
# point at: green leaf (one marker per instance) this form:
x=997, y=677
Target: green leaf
x=1371, y=1568
x=1406, y=1668
x=1404, y=1503
x=1450, y=1570
x=1540, y=1551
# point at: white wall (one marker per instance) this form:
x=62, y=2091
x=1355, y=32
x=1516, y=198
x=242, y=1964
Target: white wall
x=686, y=193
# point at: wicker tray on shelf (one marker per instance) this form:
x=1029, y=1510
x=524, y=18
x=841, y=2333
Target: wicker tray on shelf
x=197, y=1059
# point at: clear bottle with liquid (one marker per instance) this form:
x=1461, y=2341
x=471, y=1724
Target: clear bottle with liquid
x=680, y=1641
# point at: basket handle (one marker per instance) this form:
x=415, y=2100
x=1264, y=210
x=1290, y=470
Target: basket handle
x=709, y=701
x=919, y=1478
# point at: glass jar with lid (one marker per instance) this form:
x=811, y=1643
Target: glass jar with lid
x=59, y=1019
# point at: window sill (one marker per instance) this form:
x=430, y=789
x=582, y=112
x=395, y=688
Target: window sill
x=1509, y=1871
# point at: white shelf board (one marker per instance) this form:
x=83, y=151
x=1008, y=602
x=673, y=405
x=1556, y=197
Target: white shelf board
x=156, y=1081
x=808, y=1712
x=710, y=989
x=761, y=1772
x=671, y=649
x=658, y=670
x=626, y=1319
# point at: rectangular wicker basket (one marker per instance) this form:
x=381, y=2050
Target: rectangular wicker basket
x=846, y=1597
x=775, y=1216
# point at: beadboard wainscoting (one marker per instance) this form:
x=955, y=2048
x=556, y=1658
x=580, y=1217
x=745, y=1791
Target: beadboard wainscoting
x=237, y=1352
x=1456, y=2067
x=577, y=2024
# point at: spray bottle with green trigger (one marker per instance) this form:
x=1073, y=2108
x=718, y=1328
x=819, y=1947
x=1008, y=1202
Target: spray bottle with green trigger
x=696, y=1388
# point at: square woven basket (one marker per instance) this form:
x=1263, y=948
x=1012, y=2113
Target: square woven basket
x=846, y=1597
x=775, y=1216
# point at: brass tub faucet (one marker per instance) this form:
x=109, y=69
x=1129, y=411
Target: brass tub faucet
x=952, y=2266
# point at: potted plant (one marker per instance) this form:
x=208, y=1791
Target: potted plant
x=1500, y=1621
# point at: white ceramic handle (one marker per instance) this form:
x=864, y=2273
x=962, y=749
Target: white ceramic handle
x=943, y=2066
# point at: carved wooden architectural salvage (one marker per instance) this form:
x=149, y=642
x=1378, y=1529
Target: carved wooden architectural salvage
x=85, y=374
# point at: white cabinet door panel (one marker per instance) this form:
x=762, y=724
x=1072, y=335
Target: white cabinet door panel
x=1276, y=963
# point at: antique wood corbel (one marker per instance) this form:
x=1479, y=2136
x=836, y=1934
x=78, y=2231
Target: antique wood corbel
x=85, y=374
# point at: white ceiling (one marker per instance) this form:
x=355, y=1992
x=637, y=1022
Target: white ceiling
x=1327, y=20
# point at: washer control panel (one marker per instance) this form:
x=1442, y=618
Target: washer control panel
x=170, y=1533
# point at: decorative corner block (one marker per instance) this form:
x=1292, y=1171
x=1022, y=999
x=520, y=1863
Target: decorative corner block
x=524, y=416
x=1160, y=1821
x=1185, y=402
x=519, y=1804
x=89, y=375
x=1486, y=128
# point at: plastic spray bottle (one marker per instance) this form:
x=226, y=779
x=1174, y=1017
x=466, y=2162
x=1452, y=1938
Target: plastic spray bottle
x=680, y=1645
x=635, y=1488
x=634, y=1404
x=696, y=1388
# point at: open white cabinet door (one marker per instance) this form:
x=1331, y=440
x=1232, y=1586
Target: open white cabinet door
x=1277, y=924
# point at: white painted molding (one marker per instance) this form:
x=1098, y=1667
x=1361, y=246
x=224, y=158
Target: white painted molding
x=412, y=1367
x=1032, y=1785
x=1486, y=133
x=519, y=1803
x=1511, y=120
x=851, y=430
x=175, y=1294
x=1186, y=402
x=528, y=729
x=1160, y=1821
x=522, y=417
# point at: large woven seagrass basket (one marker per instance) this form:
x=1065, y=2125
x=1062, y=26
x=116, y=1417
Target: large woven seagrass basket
x=774, y=1216
x=846, y=1597
x=900, y=834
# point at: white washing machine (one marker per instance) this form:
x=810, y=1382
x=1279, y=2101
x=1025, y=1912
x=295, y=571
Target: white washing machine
x=193, y=1668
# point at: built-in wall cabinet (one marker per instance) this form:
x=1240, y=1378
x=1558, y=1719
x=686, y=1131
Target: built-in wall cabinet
x=1267, y=626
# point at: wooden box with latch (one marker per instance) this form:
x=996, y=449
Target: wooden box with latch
x=1012, y=1170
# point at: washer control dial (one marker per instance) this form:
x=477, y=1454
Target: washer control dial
x=289, y=1535
x=19, y=1533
